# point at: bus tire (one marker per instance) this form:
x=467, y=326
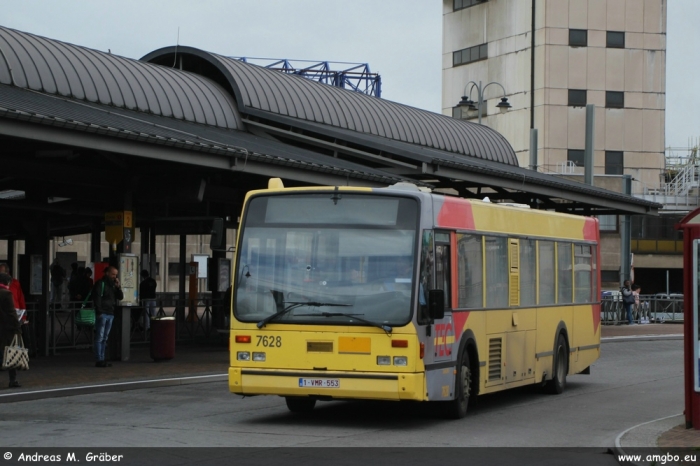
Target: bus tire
x=300, y=404
x=560, y=368
x=457, y=408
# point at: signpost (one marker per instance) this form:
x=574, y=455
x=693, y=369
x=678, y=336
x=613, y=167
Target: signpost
x=119, y=228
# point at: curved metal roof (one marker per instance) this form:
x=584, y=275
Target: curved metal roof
x=259, y=89
x=53, y=67
x=20, y=104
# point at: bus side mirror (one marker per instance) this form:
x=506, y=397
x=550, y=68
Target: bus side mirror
x=218, y=239
x=436, y=304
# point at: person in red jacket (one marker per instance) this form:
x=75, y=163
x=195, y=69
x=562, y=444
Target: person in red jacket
x=9, y=325
x=16, y=290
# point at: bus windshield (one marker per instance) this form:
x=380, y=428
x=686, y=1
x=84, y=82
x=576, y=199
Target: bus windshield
x=341, y=259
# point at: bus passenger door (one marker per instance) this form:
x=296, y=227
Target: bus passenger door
x=444, y=328
x=437, y=335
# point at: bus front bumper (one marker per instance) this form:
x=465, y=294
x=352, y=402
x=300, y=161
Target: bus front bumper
x=340, y=385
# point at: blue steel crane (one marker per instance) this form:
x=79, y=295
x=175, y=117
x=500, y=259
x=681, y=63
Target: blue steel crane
x=353, y=76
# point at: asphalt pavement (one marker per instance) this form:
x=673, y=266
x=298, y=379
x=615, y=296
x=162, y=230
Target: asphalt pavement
x=73, y=372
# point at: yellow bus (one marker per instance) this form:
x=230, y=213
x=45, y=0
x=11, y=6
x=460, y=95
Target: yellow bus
x=401, y=294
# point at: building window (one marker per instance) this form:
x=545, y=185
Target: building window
x=470, y=55
x=577, y=98
x=578, y=37
x=575, y=156
x=607, y=223
x=173, y=270
x=656, y=228
x=614, y=99
x=614, y=162
x=462, y=4
x=609, y=276
x=615, y=39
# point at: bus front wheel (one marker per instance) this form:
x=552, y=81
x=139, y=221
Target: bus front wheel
x=561, y=367
x=298, y=404
x=457, y=408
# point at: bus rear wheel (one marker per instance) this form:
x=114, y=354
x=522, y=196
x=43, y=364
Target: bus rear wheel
x=298, y=404
x=457, y=408
x=561, y=367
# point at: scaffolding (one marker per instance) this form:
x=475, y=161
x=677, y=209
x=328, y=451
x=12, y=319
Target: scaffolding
x=680, y=179
x=354, y=76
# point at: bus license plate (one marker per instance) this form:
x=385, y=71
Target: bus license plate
x=319, y=383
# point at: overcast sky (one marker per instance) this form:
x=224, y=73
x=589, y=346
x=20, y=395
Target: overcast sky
x=400, y=39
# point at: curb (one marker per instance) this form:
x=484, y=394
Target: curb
x=109, y=387
x=619, y=339
x=618, y=450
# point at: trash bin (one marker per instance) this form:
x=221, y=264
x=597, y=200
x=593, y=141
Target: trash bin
x=162, y=338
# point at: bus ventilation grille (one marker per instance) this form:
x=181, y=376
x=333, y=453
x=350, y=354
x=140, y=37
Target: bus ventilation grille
x=495, y=352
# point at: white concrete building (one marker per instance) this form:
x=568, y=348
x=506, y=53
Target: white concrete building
x=553, y=57
x=610, y=53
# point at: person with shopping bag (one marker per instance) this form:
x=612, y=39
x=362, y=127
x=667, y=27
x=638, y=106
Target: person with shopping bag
x=20, y=305
x=9, y=323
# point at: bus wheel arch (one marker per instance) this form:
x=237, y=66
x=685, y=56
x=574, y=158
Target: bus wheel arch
x=473, y=355
x=560, y=361
x=466, y=378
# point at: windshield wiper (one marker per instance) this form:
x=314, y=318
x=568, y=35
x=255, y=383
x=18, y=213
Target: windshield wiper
x=386, y=328
x=294, y=305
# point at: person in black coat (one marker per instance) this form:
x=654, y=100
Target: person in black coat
x=9, y=323
x=105, y=295
x=147, y=294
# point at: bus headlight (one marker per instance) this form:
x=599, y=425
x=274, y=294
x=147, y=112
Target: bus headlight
x=243, y=356
x=400, y=361
x=384, y=360
x=260, y=357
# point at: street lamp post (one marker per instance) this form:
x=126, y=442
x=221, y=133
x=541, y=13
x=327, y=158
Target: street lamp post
x=466, y=101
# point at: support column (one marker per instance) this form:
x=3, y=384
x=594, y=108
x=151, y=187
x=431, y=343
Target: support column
x=590, y=145
x=153, y=251
x=143, y=233
x=37, y=243
x=533, y=149
x=219, y=310
x=625, y=236
x=181, y=278
x=11, y=257
x=95, y=243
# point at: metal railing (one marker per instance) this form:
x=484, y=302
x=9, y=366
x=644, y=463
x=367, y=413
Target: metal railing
x=651, y=309
x=681, y=191
x=194, y=322
x=195, y=319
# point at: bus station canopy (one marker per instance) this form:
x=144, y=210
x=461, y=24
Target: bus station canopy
x=182, y=134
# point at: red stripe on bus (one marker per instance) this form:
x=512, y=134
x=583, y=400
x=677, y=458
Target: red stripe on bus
x=596, y=317
x=455, y=213
x=590, y=229
x=460, y=320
